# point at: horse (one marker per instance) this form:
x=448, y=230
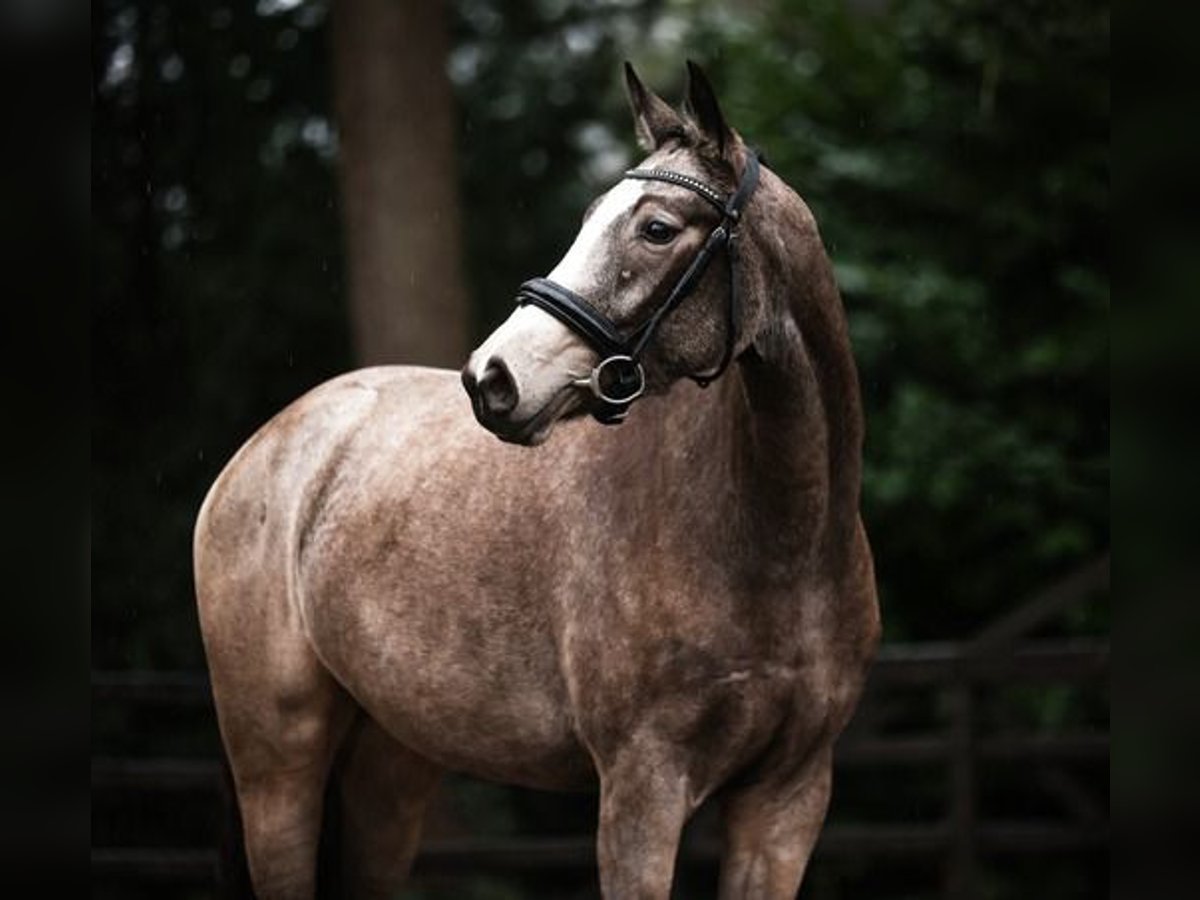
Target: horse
x=672, y=611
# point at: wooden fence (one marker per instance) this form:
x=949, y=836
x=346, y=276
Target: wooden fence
x=955, y=673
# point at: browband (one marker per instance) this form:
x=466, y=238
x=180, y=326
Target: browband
x=682, y=180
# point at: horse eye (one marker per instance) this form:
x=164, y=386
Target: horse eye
x=657, y=231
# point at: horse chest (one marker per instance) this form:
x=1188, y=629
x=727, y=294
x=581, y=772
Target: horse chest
x=724, y=675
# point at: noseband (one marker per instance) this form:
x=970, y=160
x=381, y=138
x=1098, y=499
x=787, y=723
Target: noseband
x=618, y=379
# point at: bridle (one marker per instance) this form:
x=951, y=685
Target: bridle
x=618, y=379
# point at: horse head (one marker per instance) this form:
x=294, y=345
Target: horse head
x=639, y=300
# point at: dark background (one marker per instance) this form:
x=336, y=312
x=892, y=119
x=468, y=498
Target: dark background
x=956, y=156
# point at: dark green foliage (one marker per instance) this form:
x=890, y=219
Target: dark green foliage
x=541, y=107
x=956, y=157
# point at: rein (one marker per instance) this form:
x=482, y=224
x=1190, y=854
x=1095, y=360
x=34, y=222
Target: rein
x=618, y=379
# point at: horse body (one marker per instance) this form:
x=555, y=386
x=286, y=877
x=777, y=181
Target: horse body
x=680, y=607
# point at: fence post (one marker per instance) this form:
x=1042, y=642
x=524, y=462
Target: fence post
x=961, y=867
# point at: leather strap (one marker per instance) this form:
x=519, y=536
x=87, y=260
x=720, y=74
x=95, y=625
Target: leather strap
x=724, y=235
x=574, y=312
x=694, y=185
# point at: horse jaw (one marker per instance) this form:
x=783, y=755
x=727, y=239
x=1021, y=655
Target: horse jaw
x=537, y=430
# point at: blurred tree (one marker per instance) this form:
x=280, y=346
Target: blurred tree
x=399, y=177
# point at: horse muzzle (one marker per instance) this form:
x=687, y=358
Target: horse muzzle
x=495, y=400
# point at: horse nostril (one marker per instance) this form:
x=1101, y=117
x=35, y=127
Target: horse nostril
x=497, y=390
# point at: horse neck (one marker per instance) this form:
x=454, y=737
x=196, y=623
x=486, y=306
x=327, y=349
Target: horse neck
x=797, y=444
x=765, y=474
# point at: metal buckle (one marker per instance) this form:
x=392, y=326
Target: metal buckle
x=616, y=373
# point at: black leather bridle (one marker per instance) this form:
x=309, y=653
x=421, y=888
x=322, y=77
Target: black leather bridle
x=618, y=379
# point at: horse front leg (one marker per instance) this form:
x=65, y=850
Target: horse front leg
x=770, y=832
x=643, y=806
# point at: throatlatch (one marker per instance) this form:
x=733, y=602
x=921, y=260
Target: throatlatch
x=618, y=379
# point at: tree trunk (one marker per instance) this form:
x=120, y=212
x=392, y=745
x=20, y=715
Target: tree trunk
x=399, y=181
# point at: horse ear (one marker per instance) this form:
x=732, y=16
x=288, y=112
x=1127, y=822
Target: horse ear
x=702, y=102
x=653, y=118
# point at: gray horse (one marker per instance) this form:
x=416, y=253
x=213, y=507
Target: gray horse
x=676, y=609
